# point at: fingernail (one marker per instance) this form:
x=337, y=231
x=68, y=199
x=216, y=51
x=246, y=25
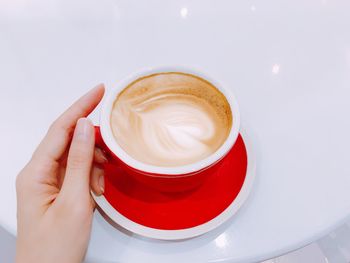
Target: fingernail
x=101, y=182
x=83, y=128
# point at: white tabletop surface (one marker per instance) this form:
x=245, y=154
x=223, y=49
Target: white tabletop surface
x=288, y=62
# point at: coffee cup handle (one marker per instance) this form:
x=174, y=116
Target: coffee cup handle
x=101, y=144
x=98, y=139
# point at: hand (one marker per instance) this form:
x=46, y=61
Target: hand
x=54, y=205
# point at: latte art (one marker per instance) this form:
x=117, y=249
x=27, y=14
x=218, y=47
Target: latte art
x=170, y=119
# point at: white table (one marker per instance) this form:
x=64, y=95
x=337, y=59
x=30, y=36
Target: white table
x=288, y=63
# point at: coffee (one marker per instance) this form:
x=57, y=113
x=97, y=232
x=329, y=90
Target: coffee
x=170, y=119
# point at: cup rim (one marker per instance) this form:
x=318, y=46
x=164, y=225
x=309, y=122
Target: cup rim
x=112, y=144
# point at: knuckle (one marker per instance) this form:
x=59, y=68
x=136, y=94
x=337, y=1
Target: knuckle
x=77, y=161
x=61, y=127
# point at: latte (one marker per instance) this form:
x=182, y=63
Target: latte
x=170, y=119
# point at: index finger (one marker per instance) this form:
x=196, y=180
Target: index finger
x=60, y=132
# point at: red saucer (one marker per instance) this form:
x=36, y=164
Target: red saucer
x=175, y=211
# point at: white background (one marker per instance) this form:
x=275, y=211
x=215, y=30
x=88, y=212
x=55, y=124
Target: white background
x=288, y=63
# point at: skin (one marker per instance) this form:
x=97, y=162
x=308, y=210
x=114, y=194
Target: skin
x=54, y=204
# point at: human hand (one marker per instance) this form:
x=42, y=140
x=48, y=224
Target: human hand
x=54, y=205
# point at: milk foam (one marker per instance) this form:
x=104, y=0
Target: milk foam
x=165, y=120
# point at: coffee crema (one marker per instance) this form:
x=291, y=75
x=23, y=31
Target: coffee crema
x=170, y=119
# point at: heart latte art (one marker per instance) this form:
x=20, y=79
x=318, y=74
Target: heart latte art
x=170, y=119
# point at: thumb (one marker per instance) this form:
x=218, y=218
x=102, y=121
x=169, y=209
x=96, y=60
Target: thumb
x=80, y=158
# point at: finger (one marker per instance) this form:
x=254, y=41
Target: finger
x=58, y=136
x=99, y=156
x=99, y=159
x=97, y=180
x=80, y=158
